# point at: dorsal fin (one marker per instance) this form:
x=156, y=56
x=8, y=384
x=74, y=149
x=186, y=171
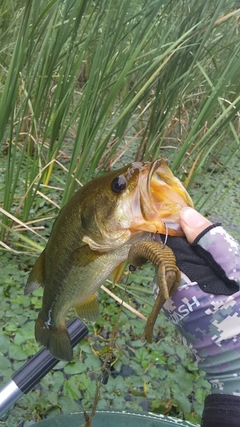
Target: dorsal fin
x=35, y=278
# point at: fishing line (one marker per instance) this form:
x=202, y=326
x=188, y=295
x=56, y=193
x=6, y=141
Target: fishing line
x=108, y=362
x=109, y=358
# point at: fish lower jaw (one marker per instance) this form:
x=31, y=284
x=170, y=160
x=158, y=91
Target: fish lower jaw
x=149, y=228
x=166, y=227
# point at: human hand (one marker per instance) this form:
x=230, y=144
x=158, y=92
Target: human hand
x=192, y=223
x=206, y=309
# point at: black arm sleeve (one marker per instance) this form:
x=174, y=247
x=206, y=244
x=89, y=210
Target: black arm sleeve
x=221, y=410
x=199, y=266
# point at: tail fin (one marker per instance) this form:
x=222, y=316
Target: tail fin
x=56, y=340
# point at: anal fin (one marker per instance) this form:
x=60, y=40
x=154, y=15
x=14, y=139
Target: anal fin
x=88, y=309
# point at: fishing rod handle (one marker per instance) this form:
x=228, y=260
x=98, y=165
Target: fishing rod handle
x=36, y=368
x=40, y=364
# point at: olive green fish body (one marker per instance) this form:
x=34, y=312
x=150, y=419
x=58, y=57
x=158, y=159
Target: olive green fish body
x=92, y=235
x=63, y=293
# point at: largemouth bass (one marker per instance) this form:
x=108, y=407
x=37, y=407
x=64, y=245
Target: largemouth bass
x=92, y=235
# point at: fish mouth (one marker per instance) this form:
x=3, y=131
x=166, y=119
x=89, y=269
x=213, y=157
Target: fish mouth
x=162, y=196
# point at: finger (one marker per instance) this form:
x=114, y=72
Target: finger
x=192, y=223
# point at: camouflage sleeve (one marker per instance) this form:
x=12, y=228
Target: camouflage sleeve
x=224, y=249
x=210, y=324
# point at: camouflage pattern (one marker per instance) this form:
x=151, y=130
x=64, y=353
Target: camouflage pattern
x=210, y=324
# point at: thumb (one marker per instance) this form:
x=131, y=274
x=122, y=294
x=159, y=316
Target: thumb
x=192, y=223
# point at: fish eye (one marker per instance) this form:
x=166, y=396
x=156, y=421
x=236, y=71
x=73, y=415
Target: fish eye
x=119, y=184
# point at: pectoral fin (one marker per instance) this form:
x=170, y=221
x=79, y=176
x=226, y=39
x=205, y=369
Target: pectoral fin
x=83, y=256
x=35, y=279
x=88, y=309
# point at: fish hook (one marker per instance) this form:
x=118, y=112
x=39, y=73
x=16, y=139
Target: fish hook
x=166, y=236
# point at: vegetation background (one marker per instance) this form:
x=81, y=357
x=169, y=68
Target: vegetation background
x=86, y=86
